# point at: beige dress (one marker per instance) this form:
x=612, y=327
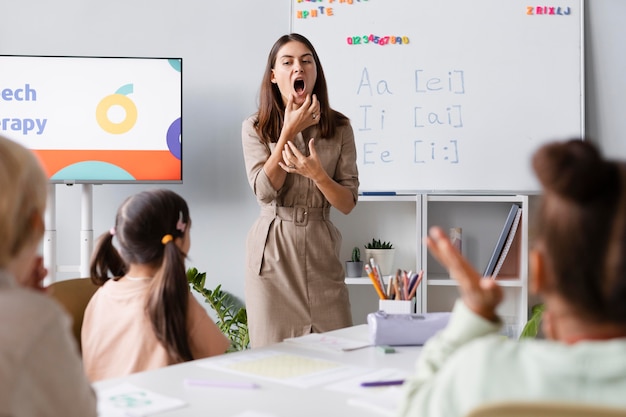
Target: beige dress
x=295, y=281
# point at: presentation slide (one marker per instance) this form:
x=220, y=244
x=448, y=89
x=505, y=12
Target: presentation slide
x=96, y=119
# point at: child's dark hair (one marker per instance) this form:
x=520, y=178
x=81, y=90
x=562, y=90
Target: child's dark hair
x=582, y=228
x=146, y=225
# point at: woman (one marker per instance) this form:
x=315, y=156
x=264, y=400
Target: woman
x=300, y=160
x=145, y=317
x=578, y=267
x=41, y=373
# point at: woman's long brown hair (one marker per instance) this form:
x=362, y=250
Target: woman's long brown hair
x=271, y=111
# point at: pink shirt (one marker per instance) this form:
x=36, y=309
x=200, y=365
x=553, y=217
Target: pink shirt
x=117, y=337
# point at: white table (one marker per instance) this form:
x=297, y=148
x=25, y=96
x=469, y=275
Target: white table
x=272, y=398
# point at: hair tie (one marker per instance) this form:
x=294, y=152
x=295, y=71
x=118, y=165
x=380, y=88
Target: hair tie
x=112, y=231
x=166, y=239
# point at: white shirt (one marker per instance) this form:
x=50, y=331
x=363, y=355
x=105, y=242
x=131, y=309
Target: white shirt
x=468, y=364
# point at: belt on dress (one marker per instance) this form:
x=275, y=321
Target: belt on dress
x=300, y=215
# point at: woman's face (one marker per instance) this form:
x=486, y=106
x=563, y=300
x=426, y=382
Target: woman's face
x=294, y=72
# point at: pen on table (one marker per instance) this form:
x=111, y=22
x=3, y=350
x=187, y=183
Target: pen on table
x=219, y=384
x=382, y=383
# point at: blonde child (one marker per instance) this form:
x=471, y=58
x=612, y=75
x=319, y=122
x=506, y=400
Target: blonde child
x=40, y=368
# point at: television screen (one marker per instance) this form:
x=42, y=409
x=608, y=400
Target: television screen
x=96, y=119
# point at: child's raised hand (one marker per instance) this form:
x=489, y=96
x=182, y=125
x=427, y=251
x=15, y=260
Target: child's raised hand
x=482, y=296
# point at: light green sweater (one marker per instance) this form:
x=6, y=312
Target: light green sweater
x=468, y=364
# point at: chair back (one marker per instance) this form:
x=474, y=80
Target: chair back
x=544, y=409
x=74, y=295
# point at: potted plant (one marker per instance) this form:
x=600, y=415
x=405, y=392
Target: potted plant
x=232, y=318
x=382, y=253
x=354, y=267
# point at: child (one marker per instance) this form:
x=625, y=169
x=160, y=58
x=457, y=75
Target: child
x=40, y=369
x=577, y=266
x=145, y=317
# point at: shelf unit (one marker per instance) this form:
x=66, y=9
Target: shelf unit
x=394, y=218
x=405, y=219
x=481, y=218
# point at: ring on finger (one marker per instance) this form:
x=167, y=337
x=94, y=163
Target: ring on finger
x=314, y=116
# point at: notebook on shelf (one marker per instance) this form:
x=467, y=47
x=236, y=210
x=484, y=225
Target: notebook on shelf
x=497, y=250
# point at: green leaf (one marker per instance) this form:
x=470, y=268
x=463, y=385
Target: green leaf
x=378, y=244
x=231, y=316
x=531, y=329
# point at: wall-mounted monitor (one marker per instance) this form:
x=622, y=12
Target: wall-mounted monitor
x=96, y=120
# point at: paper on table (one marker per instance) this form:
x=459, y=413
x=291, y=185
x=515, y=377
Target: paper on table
x=253, y=413
x=128, y=400
x=385, y=403
x=285, y=368
x=326, y=342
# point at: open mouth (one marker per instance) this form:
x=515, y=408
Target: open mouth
x=298, y=86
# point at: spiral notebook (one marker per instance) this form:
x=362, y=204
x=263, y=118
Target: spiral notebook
x=508, y=244
x=510, y=219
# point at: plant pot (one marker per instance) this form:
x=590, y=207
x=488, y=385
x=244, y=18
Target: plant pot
x=354, y=269
x=383, y=257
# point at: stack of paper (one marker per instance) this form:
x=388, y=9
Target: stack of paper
x=128, y=400
x=326, y=342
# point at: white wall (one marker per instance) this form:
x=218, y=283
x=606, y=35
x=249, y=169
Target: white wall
x=224, y=46
x=605, y=67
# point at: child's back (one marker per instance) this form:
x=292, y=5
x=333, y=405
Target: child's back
x=145, y=317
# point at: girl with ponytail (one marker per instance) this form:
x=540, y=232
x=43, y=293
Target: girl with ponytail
x=144, y=316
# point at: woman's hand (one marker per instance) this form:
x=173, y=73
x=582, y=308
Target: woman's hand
x=482, y=296
x=299, y=118
x=296, y=162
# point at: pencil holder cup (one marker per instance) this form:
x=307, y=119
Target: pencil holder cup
x=397, y=306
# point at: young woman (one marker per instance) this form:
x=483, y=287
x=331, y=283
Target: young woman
x=145, y=317
x=300, y=160
x=578, y=267
x=40, y=368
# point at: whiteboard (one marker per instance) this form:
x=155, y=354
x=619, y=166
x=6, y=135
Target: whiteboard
x=450, y=95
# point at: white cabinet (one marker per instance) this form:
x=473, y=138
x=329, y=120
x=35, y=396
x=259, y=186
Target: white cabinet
x=481, y=219
x=405, y=219
x=390, y=218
